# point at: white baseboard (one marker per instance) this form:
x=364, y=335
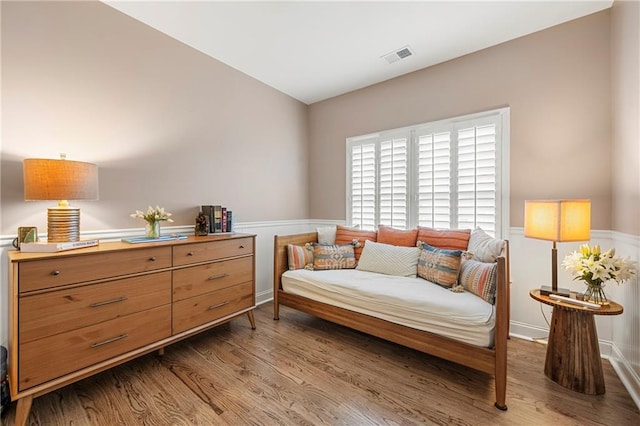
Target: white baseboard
x=627, y=375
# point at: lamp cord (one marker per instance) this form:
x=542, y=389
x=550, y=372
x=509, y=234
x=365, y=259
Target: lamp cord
x=536, y=339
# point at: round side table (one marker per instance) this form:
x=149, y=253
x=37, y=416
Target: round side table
x=573, y=355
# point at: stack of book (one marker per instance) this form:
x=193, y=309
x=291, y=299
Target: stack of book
x=220, y=218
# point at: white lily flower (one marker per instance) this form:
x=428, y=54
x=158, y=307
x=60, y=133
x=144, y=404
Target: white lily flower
x=595, y=267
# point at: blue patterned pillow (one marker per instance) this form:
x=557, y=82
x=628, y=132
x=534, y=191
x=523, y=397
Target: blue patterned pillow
x=440, y=266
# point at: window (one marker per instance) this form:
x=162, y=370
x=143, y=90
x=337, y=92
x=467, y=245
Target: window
x=447, y=174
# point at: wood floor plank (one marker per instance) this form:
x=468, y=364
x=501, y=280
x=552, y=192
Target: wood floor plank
x=306, y=371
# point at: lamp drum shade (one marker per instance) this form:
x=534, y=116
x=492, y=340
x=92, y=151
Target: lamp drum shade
x=62, y=180
x=48, y=179
x=558, y=220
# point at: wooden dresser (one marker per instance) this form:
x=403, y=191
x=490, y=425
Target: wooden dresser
x=75, y=313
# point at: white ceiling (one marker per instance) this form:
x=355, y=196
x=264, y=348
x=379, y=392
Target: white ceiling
x=316, y=50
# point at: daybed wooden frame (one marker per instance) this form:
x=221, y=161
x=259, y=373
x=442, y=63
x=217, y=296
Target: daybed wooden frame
x=489, y=360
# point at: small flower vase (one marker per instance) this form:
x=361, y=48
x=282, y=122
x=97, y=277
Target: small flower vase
x=595, y=294
x=152, y=229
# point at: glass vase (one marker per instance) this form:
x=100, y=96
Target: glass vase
x=595, y=294
x=152, y=229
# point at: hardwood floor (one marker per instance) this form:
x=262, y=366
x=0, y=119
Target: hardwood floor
x=303, y=370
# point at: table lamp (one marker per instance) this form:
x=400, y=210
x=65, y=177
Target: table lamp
x=62, y=180
x=557, y=221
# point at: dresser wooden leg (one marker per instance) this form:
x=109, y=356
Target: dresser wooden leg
x=251, y=320
x=161, y=352
x=22, y=410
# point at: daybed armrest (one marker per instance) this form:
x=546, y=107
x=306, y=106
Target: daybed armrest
x=502, y=326
x=281, y=261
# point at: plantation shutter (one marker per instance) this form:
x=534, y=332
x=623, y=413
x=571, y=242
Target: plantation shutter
x=449, y=174
x=476, y=175
x=393, y=182
x=434, y=180
x=363, y=185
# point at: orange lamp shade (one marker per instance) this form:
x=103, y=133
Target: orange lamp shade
x=47, y=179
x=558, y=220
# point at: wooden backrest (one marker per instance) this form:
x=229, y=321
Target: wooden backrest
x=280, y=258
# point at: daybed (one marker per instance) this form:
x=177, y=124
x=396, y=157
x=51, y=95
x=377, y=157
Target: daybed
x=368, y=308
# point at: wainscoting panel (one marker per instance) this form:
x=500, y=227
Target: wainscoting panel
x=625, y=357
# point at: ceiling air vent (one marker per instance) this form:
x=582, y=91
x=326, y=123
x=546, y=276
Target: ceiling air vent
x=398, y=54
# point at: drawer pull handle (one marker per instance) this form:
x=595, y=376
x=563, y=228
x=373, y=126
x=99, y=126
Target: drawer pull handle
x=190, y=253
x=219, y=305
x=115, y=339
x=215, y=277
x=152, y=258
x=108, y=302
x=56, y=272
x=241, y=246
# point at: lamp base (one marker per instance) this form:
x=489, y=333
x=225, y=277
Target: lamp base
x=547, y=290
x=63, y=224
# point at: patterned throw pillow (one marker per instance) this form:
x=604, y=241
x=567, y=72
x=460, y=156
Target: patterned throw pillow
x=326, y=256
x=439, y=266
x=346, y=235
x=452, y=239
x=389, y=259
x=483, y=246
x=397, y=237
x=300, y=257
x=480, y=279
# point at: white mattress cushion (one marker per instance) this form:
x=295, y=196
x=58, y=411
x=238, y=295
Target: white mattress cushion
x=412, y=302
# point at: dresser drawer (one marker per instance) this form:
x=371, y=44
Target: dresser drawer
x=186, y=254
x=55, y=356
x=201, y=279
x=208, y=307
x=55, y=312
x=59, y=271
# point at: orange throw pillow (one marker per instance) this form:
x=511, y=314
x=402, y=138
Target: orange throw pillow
x=451, y=239
x=345, y=235
x=397, y=237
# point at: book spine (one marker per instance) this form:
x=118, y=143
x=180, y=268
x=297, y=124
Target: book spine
x=229, y=221
x=217, y=219
x=224, y=219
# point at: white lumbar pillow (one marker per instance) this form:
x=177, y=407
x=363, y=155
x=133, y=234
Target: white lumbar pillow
x=389, y=259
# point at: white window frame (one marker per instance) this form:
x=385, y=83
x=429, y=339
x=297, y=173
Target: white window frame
x=502, y=118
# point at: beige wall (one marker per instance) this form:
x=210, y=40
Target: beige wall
x=625, y=54
x=166, y=124
x=557, y=83
x=625, y=61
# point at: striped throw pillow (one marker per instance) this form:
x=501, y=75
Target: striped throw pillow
x=451, y=239
x=439, y=266
x=479, y=278
x=300, y=257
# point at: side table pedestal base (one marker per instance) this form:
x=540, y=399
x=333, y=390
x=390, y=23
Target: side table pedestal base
x=573, y=356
